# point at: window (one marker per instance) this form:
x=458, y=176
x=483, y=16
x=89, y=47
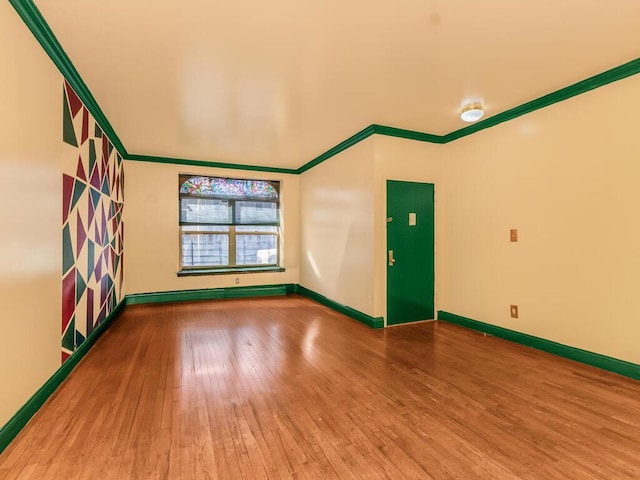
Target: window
x=228, y=223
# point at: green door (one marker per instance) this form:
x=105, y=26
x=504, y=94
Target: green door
x=410, y=252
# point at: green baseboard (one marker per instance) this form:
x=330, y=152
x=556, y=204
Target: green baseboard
x=11, y=429
x=209, y=294
x=604, y=362
x=252, y=291
x=373, y=322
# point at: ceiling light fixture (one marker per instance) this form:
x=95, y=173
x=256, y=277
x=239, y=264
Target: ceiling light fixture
x=472, y=112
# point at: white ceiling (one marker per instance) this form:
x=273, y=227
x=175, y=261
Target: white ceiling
x=278, y=82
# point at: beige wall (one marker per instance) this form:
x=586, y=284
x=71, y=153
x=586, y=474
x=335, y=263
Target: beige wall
x=30, y=207
x=151, y=232
x=343, y=218
x=337, y=228
x=568, y=177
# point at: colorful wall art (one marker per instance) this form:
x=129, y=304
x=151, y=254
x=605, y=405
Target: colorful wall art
x=92, y=226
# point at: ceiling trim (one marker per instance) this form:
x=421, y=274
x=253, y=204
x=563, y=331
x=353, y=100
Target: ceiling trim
x=617, y=73
x=341, y=147
x=409, y=134
x=609, y=76
x=34, y=20
x=41, y=30
x=205, y=163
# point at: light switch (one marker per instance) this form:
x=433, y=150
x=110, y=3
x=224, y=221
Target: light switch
x=514, y=234
x=412, y=220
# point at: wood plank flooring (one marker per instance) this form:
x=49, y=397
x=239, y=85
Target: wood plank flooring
x=285, y=388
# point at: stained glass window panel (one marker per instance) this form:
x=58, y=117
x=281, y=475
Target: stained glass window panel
x=229, y=188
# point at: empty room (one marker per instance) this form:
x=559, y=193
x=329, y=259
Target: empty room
x=351, y=240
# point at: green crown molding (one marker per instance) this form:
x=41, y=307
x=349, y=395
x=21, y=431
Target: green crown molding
x=341, y=147
x=34, y=20
x=617, y=73
x=613, y=75
x=205, y=163
x=41, y=30
x=408, y=134
x=603, y=362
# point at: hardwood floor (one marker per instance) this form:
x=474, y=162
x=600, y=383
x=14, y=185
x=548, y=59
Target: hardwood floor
x=285, y=388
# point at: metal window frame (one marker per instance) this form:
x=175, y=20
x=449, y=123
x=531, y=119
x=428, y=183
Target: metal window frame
x=232, y=234
x=232, y=205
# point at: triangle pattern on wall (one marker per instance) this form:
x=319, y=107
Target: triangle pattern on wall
x=78, y=189
x=92, y=227
x=80, y=173
x=74, y=102
x=68, y=133
x=85, y=126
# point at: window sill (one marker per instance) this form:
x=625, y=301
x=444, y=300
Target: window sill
x=228, y=271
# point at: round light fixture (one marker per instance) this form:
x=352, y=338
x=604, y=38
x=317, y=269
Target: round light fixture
x=472, y=112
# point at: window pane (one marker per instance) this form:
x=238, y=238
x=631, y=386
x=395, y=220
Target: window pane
x=256, y=228
x=205, y=250
x=205, y=228
x=256, y=212
x=204, y=210
x=256, y=249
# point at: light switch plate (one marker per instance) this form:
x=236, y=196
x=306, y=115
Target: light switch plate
x=412, y=219
x=514, y=234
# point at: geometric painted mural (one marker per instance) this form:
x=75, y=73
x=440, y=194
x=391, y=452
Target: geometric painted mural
x=92, y=227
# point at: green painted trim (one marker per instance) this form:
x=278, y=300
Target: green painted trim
x=409, y=134
x=341, y=147
x=610, y=364
x=9, y=431
x=207, y=294
x=228, y=271
x=373, y=322
x=41, y=30
x=204, y=163
x=617, y=73
x=251, y=291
